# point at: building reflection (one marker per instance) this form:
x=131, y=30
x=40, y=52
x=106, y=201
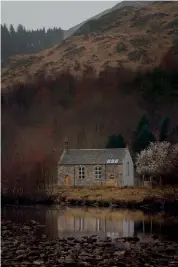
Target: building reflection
x=93, y=225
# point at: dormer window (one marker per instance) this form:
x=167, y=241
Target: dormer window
x=81, y=172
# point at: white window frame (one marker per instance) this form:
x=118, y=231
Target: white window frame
x=81, y=172
x=98, y=174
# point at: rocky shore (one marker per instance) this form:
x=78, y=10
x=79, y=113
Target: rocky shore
x=27, y=245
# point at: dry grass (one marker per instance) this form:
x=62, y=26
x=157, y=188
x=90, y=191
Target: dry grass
x=113, y=194
x=152, y=23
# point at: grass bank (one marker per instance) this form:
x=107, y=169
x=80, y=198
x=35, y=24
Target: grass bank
x=156, y=198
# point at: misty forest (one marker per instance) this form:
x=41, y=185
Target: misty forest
x=22, y=41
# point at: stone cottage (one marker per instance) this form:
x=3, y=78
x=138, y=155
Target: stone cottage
x=89, y=167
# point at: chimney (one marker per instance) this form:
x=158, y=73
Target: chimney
x=65, y=144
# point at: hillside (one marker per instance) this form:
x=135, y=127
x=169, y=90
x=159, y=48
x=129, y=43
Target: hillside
x=21, y=41
x=137, y=38
x=122, y=4
x=92, y=101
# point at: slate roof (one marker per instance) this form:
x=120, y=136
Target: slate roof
x=91, y=156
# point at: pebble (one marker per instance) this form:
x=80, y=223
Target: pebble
x=21, y=246
x=38, y=262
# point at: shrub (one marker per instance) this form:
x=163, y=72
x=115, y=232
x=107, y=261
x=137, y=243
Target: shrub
x=121, y=47
x=160, y=159
x=140, y=41
x=137, y=54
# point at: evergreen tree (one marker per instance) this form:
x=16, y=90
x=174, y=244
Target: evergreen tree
x=23, y=41
x=12, y=30
x=143, y=121
x=143, y=139
x=164, y=129
x=115, y=141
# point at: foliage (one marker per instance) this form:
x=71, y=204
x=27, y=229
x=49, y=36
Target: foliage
x=164, y=129
x=61, y=89
x=143, y=139
x=143, y=121
x=157, y=86
x=137, y=54
x=142, y=135
x=37, y=185
x=23, y=96
x=22, y=41
x=158, y=159
x=140, y=41
x=115, y=141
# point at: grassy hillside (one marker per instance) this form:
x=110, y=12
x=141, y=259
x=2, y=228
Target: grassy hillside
x=137, y=38
x=121, y=4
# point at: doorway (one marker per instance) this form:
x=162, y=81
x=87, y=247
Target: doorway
x=67, y=180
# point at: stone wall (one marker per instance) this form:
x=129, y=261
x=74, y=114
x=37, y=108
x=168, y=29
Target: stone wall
x=106, y=170
x=117, y=172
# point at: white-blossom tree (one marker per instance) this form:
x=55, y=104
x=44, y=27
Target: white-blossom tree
x=159, y=159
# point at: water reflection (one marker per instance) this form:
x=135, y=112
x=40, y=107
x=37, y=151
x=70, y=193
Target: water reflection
x=103, y=227
x=78, y=222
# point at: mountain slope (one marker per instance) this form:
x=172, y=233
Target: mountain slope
x=137, y=38
x=22, y=41
x=121, y=4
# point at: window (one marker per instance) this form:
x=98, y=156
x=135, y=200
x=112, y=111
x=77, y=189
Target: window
x=127, y=168
x=81, y=172
x=98, y=172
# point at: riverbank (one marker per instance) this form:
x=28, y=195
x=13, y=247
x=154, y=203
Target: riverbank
x=132, y=198
x=27, y=245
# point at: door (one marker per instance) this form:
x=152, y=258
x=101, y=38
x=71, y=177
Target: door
x=67, y=180
x=111, y=180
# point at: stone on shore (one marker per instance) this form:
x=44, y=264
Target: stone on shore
x=23, y=246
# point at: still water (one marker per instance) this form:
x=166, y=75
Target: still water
x=104, y=222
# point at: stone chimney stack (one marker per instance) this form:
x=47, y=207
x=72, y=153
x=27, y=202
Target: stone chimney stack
x=66, y=144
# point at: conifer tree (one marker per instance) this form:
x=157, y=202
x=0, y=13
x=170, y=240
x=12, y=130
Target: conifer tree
x=115, y=141
x=164, y=129
x=143, y=139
